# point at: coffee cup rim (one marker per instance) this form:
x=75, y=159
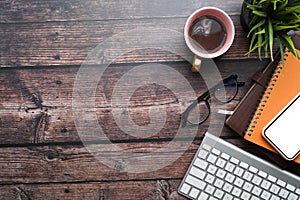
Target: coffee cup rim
x=229, y=38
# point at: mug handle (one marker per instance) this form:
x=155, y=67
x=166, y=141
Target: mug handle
x=196, y=64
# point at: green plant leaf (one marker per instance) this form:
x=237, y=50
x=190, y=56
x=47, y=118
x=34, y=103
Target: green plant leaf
x=253, y=7
x=261, y=2
x=260, y=13
x=275, y=3
x=289, y=10
x=261, y=32
x=281, y=47
x=280, y=28
x=266, y=40
x=254, y=19
x=283, y=5
x=252, y=46
x=271, y=37
x=253, y=49
x=259, y=42
x=289, y=44
x=259, y=24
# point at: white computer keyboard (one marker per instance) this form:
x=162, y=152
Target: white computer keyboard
x=221, y=170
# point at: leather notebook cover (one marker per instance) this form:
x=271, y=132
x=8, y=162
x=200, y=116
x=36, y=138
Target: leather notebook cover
x=282, y=87
x=243, y=112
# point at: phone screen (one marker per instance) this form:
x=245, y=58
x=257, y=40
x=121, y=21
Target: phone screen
x=283, y=132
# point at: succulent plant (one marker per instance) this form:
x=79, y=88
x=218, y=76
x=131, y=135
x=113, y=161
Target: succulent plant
x=272, y=20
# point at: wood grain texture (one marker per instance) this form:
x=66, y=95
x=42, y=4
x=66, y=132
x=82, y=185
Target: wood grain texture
x=68, y=43
x=74, y=163
x=152, y=189
x=43, y=44
x=78, y=10
x=36, y=103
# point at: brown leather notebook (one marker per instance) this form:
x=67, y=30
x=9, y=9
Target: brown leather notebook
x=243, y=113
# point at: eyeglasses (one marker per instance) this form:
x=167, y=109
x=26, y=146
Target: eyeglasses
x=224, y=92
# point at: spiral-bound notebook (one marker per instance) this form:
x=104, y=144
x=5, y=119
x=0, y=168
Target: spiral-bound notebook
x=273, y=88
x=283, y=86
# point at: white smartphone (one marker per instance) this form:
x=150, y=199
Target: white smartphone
x=283, y=131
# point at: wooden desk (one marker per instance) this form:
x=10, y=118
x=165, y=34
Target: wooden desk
x=42, y=46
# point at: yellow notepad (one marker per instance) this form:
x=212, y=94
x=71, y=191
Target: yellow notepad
x=283, y=87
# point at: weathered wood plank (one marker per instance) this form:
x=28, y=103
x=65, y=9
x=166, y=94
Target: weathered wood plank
x=68, y=43
x=153, y=189
x=50, y=10
x=36, y=103
x=74, y=163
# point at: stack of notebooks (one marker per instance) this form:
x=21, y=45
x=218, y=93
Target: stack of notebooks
x=272, y=90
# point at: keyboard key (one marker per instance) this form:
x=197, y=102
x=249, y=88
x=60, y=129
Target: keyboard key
x=202, y=154
x=221, y=163
x=245, y=195
x=290, y=187
x=216, y=151
x=257, y=191
x=272, y=178
x=283, y=193
x=253, y=169
x=212, y=198
x=238, y=171
x=265, y=195
x=292, y=197
x=210, y=189
x=228, y=197
x=194, y=192
x=212, y=158
x=254, y=198
x=273, y=197
x=229, y=178
x=298, y=191
x=212, y=169
x=227, y=187
x=275, y=189
x=219, y=194
x=265, y=184
x=206, y=147
x=248, y=176
x=225, y=156
x=196, y=182
x=221, y=173
x=236, y=191
x=234, y=160
x=238, y=182
x=200, y=163
x=219, y=183
x=209, y=178
x=257, y=180
x=197, y=172
x=281, y=183
x=244, y=165
x=229, y=167
x=247, y=186
x=262, y=174
x=203, y=195
x=185, y=188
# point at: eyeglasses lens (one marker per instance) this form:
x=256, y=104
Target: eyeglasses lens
x=199, y=113
x=227, y=93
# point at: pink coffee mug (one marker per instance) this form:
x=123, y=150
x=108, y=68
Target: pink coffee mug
x=199, y=52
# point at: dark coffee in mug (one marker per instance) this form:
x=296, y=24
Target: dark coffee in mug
x=208, y=33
